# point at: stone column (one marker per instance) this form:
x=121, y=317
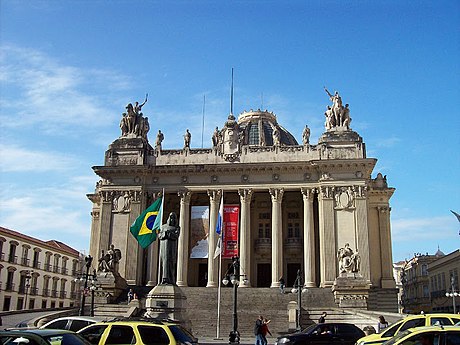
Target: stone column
x=327, y=237
x=182, y=249
x=105, y=225
x=245, y=236
x=277, y=236
x=309, y=254
x=133, y=271
x=362, y=231
x=385, y=245
x=152, y=253
x=213, y=264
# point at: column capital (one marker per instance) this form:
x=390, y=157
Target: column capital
x=185, y=196
x=308, y=193
x=384, y=209
x=245, y=194
x=214, y=195
x=276, y=194
x=360, y=191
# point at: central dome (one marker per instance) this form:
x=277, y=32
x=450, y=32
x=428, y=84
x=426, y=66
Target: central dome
x=259, y=125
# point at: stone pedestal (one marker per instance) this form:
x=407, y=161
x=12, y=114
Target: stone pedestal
x=351, y=290
x=166, y=302
x=110, y=288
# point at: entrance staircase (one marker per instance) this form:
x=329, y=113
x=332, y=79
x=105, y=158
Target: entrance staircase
x=202, y=310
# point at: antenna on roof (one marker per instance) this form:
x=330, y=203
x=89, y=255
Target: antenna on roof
x=262, y=101
x=202, y=124
x=231, y=96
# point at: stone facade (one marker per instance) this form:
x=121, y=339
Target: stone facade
x=441, y=272
x=298, y=203
x=35, y=274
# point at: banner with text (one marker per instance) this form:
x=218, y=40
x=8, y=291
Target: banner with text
x=199, y=230
x=230, y=233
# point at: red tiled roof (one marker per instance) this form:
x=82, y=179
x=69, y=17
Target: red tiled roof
x=51, y=244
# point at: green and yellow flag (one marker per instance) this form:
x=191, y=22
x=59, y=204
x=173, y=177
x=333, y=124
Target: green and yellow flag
x=145, y=227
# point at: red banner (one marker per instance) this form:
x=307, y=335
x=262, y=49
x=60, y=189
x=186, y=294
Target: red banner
x=230, y=233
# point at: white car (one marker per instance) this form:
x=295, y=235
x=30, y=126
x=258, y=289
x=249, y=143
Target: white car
x=72, y=323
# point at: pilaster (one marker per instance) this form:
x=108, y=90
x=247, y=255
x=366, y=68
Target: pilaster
x=327, y=236
x=385, y=244
x=133, y=271
x=362, y=230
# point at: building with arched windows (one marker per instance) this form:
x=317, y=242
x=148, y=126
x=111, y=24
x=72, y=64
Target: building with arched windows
x=36, y=274
x=297, y=204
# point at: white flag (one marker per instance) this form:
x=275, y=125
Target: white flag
x=217, y=251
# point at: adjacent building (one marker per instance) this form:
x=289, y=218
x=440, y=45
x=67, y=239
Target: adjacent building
x=443, y=275
x=297, y=204
x=36, y=274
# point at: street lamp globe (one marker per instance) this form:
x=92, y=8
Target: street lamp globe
x=225, y=281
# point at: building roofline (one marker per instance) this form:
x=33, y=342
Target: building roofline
x=50, y=244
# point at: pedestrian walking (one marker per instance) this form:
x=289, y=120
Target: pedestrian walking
x=265, y=331
x=382, y=324
x=258, y=331
x=282, y=284
x=322, y=319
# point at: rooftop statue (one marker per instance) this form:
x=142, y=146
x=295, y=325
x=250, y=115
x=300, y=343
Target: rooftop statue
x=337, y=115
x=168, y=236
x=187, y=139
x=132, y=123
x=306, y=135
x=276, y=137
x=159, y=140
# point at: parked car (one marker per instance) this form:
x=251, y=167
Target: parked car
x=41, y=337
x=409, y=322
x=72, y=323
x=432, y=335
x=323, y=334
x=137, y=332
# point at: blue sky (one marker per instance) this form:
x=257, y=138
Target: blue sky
x=68, y=68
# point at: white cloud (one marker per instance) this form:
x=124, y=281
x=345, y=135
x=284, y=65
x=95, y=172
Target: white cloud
x=388, y=142
x=408, y=229
x=53, y=96
x=17, y=159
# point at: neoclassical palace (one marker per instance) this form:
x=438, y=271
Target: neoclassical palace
x=298, y=203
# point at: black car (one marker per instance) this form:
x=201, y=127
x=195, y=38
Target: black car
x=323, y=334
x=41, y=337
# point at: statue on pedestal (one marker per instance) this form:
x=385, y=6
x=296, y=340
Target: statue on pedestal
x=349, y=261
x=337, y=115
x=168, y=236
x=159, y=140
x=132, y=123
x=109, y=262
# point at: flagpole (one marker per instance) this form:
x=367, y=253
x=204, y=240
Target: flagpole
x=219, y=286
x=159, y=247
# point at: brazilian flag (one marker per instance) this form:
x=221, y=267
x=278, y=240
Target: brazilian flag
x=145, y=227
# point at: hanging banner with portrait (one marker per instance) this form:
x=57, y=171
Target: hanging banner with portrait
x=199, y=231
x=230, y=233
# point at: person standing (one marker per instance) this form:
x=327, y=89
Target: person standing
x=282, y=284
x=130, y=295
x=382, y=324
x=258, y=331
x=322, y=319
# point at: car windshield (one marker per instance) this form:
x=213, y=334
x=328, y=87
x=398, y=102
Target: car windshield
x=396, y=338
x=309, y=329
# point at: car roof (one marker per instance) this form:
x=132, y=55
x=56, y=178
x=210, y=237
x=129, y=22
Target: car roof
x=434, y=328
x=83, y=318
x=37, y=331
x=131, y=322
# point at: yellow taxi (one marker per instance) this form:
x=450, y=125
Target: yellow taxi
x=432, y=335
x=409, y=322
x=137, y=333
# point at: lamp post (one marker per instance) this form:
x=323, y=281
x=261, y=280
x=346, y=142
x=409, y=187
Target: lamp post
x=93, y=289
x=453, y=293
x=234, y=278
x=27, y=286
x=298, y=288
x=84, y=277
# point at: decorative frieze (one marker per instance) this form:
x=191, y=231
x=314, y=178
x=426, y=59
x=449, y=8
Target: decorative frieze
x=344, y=198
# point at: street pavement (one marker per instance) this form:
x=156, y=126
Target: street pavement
x=13, y=319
